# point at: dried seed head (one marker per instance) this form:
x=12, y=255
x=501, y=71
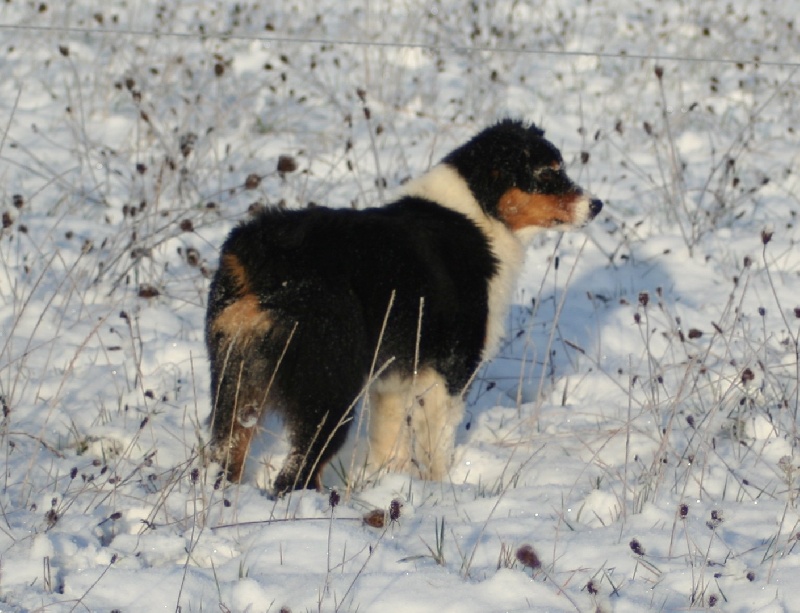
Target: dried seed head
x=747, y=376
x=394, y=509
x=636, y=547
x=286, y=164
x=252, y=181
x=148, y=291
x=333, y=499
x=644, y=298
x=766, y=235
x=684, y=511
x=695, y=333
x=715, y=521
x=659, y=72
x=186, y=143
x=192, y=257
x=375, y=518
x=528, y=557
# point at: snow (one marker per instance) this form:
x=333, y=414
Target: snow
x=638, y=427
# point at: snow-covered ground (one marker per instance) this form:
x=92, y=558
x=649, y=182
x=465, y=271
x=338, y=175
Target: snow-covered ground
x=639, y=428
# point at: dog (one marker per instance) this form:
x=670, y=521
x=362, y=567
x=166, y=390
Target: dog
x=311, y=310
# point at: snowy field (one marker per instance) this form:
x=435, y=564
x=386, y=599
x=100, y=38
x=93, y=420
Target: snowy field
x=633, y=447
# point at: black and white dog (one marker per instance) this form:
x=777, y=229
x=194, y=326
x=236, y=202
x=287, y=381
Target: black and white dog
x=307, y=305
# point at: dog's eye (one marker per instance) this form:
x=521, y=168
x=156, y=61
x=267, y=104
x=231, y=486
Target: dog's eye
x=546, y=174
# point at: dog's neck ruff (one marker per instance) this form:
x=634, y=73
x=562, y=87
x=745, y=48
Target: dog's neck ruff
x=446, y=187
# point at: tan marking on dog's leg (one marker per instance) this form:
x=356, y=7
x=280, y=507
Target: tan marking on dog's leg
x=413, y=426
x=434, y=421
x=237, y=449
x=389, y=444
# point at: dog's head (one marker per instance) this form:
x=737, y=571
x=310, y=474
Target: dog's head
x=518, y=177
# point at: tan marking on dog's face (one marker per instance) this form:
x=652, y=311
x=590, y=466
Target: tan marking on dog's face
x=243, y=318
x=519, y=209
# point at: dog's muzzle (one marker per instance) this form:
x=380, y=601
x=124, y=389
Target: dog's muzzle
x=595, y=206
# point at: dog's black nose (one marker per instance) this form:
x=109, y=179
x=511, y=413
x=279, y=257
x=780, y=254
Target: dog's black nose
x=595, y=206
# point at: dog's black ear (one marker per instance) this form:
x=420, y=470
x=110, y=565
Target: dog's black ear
x=535, y=130
x=516, y=123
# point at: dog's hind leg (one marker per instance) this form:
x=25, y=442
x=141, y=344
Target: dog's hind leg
x=312, y=447
x=241, y=373
x=389, y=410
x=413, y=422
x=319, y=382
x=434, y=424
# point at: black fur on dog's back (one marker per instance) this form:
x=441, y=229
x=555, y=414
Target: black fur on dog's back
x=325, y=277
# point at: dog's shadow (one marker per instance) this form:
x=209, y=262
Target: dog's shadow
x=561, y=333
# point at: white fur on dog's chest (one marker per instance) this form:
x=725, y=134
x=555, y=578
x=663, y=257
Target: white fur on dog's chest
x=445, y=186
x=510, y=254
